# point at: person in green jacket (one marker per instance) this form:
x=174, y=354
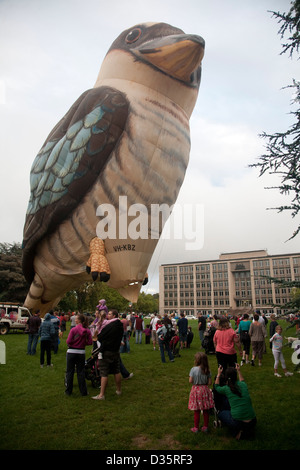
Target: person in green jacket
x=241, y=418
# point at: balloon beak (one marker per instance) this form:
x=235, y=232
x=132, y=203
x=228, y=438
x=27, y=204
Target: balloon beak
x=177, y=55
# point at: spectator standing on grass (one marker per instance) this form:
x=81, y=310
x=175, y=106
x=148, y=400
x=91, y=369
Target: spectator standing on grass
x=264, y=318
x=139, y=328
x=182, y=326
x=147, y=332
x=243, y=332
x=132, y=321
x=126, y=334
x=110, y=338
x=214, y=323
x=277, y=343
x=201, y=326
x=73, y=320
x=257, y=334
x=201, y=397
x=241, y=418
x=153, y=324
x=272, y=327
x=190, y=336
x=55, y=322
x=79, y=337
x=62, y=325
x=260, y=317
x=164, y=333
x=225, y=340
x=46, y=333
x=34, y=323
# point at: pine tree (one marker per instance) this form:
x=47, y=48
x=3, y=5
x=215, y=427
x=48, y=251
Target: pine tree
x=282, y=155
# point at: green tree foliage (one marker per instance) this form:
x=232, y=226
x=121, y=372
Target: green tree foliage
x=296, y=298
x=86, y=298
x=13, y=286
x=294, y=286
x=282, y=155
x=147, y=303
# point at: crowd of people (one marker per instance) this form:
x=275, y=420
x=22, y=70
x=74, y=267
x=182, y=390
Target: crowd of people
x=109, y=335
x=230, y=395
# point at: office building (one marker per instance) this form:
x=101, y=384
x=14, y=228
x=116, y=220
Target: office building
x=233, y=281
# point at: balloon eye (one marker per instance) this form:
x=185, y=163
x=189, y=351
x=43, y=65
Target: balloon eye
x=133, y=35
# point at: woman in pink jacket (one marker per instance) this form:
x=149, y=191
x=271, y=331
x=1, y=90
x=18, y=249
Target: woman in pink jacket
x=225, y=340
x=79, y=337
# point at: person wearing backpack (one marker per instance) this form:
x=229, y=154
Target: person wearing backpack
x=164, y=334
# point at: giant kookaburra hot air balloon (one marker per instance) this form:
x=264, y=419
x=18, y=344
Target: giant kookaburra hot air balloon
x=127, y=139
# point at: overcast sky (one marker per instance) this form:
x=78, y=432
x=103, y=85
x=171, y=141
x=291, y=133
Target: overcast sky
x=50, y=52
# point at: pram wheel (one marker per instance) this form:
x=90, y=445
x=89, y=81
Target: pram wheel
x=96, y=382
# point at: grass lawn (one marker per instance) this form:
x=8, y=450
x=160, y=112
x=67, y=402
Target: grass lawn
x=151, y=413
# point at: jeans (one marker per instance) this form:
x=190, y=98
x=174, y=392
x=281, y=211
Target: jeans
x=138, y=336
x=126, y=347
x=123, y=370
x=78, y=361
x=201, y=335
x=235, y=425
x=162, y=347
x=32, y=342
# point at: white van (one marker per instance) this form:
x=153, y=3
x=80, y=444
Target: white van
x=13, y=316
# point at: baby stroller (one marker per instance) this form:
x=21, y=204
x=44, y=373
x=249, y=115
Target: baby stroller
x=174, y=346
x=91, y=369
x=208, y=343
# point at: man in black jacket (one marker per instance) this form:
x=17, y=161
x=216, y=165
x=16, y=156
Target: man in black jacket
x=34, y=323
x=109, y=362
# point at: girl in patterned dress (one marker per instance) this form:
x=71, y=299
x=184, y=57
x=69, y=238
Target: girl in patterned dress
x=201, y=397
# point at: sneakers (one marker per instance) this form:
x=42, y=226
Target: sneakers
x=98, y=397
x=129, y=376
x=204, y=429
x=287, y=374
x=194, y=429
x=242, y=362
